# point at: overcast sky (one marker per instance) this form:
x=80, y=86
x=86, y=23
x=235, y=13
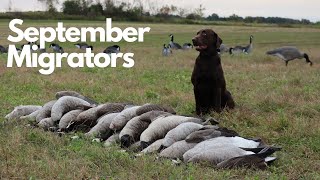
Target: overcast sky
x=297, y=9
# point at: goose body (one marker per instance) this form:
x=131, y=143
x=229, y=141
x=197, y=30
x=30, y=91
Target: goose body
x=174, y=45
x=83, y=46
x=56, y=48
x=223, y=48
x=236, y=50
x=112, y=49
x=187, y=46
x=217, y=143
x=218, y=154
x=242, y=49
x=166, y=51
x=3, y=49
x=289, y=53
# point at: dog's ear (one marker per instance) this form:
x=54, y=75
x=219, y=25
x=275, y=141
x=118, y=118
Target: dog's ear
x=218, y=40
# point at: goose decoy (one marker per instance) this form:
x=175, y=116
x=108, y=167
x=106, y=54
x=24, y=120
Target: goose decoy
x=289, y=53
x=187, y=46
x=248, y=49
x=56, y=48
x=112, y=49
x=166, y=50
x=18, y=49
x=236, y=50
x=3, y=49
x=242, y=49
x=29, y=43
x=83, y=46
x=172, y=44
x=39, y=49
x=223, y=48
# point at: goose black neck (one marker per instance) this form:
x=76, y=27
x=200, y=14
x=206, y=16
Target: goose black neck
x=172, y=38
x=307, y=58
x=230, y=50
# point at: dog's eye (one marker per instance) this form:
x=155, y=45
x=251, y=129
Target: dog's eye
x=204, y=33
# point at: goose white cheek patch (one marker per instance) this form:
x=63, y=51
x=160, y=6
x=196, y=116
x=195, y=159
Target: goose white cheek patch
x=49, y=61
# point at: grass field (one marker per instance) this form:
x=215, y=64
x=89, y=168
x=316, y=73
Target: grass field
x=277, y=103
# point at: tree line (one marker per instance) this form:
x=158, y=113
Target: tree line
x=137, y=11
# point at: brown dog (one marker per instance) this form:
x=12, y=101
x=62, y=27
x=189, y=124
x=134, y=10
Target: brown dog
x=207, y=78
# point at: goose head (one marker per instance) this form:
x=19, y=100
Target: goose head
x=307, y=59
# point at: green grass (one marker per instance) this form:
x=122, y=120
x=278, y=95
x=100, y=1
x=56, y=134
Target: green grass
x=277, y=103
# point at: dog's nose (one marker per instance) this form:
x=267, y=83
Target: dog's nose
x=193, y=40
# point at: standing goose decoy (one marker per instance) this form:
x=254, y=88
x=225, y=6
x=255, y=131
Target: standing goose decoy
x=112, y=49
x=172, y=44
x=248, y=49
x=187, y=46
x=83, y=46
x=242, y=49
x=3, y=49
x=166, y=50
x=289, y=53
x=56, y=48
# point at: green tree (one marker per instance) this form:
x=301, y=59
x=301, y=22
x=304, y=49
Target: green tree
x=50, y=4
x=72, y=7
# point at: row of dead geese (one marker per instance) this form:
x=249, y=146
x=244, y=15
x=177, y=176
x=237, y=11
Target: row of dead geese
x=58, y=49
x=148, y=128
x=286, y=53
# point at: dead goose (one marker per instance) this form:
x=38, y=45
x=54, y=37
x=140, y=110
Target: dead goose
x=224, y=152
x=46, y=123
x=179, y=133
x=75, y=94
x=112, y=140
x=123, y=117
x=153, y=107
x=289, y=53
x=20, y=111
x=101, y=129
x=45, y=111
x=220, y=142
x=67, y=118
x=89, y=117
x=66, y=104
x=161, y=126
x=177, y=149
x=133, y=129
x=153, y=147
x=209, y=133
x=259, y=160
